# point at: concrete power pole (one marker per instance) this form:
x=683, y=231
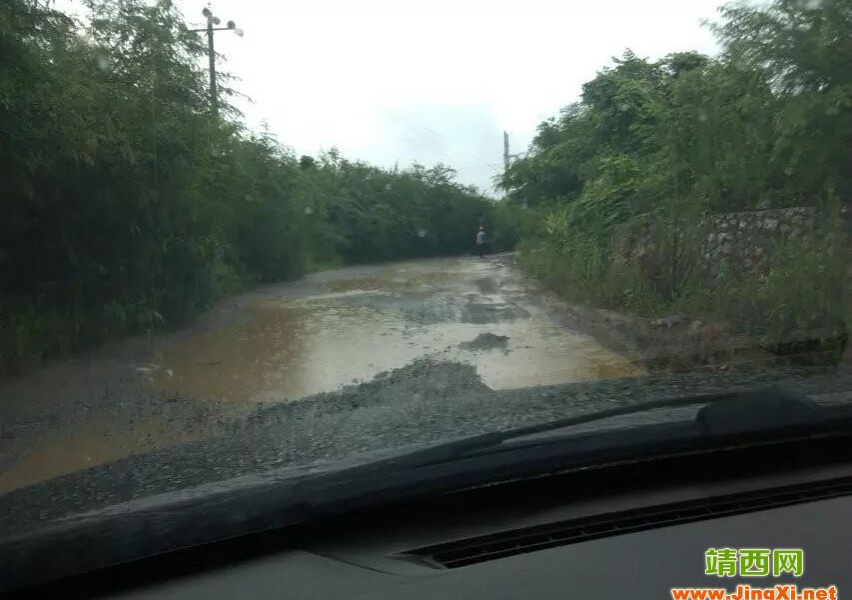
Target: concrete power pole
x=211, y=52
x=506, y=150
x=211, y=56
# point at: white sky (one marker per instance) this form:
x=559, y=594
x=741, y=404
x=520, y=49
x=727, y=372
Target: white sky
x=433, y=80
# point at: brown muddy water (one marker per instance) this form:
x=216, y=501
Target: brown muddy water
x=356, y=326
x=285, y=342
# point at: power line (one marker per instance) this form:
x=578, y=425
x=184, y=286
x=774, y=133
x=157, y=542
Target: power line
x=428, y=131
x=451, y=160
x=424, y=128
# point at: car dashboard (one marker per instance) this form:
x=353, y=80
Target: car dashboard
x=634, y=529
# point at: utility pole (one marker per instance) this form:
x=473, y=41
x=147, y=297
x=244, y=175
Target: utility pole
x=506, y=150
x=211, y=56
x=507, y=157
x=211, y=52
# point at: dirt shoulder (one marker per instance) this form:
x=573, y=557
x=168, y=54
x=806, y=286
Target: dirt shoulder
x=679, y=343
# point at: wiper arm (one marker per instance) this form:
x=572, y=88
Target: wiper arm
x=724, y=413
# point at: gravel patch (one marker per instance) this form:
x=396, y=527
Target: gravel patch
x=424, y=402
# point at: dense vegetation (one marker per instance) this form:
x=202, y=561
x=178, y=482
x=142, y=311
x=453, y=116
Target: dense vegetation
x=767, y=124
x=127, y=203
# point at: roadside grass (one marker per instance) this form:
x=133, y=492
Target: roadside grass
x=800, y=289
x=29, y=332
x=37, y=326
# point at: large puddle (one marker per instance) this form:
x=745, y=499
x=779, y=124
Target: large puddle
x=283, y=348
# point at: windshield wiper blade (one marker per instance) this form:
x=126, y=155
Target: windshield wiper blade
x=738, y=412
x=171, y=521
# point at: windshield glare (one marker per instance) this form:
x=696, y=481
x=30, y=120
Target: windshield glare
x=254, y=235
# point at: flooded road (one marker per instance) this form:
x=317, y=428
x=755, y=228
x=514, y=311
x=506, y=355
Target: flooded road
x=360, y=322
x=285, y=342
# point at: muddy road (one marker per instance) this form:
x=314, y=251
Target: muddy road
x=282, y=343
x=346, y=326
x=338, y=368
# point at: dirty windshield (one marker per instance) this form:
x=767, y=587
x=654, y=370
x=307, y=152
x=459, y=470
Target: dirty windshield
x=246, y=236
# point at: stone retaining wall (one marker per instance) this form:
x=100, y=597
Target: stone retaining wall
x=738, y=241
x=742, y=240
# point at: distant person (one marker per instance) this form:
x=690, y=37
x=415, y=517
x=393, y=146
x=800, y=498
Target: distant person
x=481, y=241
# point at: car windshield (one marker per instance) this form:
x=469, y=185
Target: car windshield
x=256, y=235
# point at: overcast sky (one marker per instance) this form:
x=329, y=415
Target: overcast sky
x=433, y=80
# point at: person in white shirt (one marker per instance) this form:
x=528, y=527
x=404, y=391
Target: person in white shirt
x=481, y=243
